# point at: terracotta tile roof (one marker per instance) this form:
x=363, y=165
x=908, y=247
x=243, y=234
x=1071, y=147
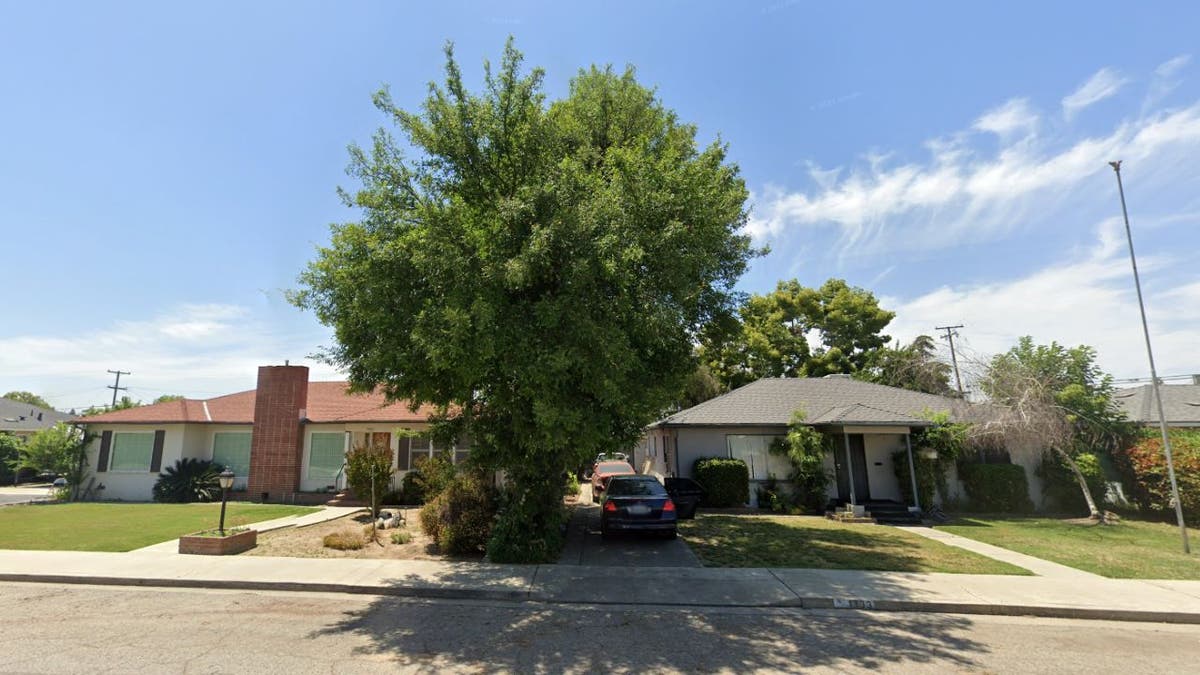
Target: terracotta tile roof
x=327, y=402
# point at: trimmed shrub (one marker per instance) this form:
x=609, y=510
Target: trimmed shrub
x=726, y=481
x=996, y=488
x=344, y=541
x=188, y=480
x=571, y=487
x=411, y=493
x=460, y=518
x=433, y=474
x=1061, y=490
x=1144, y=470
x=369, y=473
x=401, y=537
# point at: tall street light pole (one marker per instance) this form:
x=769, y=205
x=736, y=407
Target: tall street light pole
x=1162, y=418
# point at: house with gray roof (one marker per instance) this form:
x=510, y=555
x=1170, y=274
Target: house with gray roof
x=872, y=422
x=1181, y=404
x=25, y=420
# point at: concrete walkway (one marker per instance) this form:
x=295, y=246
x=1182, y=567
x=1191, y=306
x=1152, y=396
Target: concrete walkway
x=1038, y=566
x=1077, y=597
x=326, y=513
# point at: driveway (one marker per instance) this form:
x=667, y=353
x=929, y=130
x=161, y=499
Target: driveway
x=585, y=547
x=24, y=494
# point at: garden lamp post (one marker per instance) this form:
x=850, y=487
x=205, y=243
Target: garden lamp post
x=226, y=481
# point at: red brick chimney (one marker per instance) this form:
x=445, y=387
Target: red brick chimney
x=277, y=446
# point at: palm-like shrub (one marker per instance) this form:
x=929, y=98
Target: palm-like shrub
x=189, y=480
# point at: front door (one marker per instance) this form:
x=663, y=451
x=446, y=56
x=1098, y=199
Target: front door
x=857, y=469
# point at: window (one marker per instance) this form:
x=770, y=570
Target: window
x=232, y=451
x=131, y=452
x=420, y=449
x=755, y=451
x=326, y=454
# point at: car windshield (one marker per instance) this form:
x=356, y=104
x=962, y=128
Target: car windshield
x=639, y=487
x=614, y=467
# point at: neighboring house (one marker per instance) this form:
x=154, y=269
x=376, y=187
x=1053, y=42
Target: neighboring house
x=1181, y=404
x=869, y=421
x=24, y=420
x=285, y=440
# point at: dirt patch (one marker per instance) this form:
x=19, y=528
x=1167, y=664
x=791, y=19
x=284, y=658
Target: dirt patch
x=308, y=542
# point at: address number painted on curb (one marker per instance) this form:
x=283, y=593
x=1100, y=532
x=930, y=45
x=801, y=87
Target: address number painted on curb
x=853, y=603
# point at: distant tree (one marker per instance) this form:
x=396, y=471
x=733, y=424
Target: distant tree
x=28, y=397
x=539, y=272
x=49, y=449
x=772, y=337
x=701, y=385
x=123, y=403
x=166, y=398
x=914, y=366
x=10, y=447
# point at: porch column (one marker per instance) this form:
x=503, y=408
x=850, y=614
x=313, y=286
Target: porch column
x=912, y=470
x=849, y=467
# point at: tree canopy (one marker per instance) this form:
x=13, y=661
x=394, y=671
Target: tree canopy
x=539, y=271
x=28, y=397
x=772, y=333
x=914, y=366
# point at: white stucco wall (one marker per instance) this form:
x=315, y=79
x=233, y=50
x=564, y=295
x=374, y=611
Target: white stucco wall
x=138, y=486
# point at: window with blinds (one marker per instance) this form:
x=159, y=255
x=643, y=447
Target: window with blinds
x=231, y=450
x=131, y=452
x=326, y=454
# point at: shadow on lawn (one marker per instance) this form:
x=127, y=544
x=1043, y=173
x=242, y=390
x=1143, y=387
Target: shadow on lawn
x=760, y=542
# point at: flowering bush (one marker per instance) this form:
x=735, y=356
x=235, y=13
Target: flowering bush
x=1144, y=469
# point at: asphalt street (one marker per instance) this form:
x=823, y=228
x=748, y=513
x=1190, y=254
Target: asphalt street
x=70, y=629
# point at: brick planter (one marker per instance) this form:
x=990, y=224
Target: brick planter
x=228, y=545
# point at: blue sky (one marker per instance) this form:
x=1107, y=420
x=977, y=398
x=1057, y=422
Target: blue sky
x=166, y=170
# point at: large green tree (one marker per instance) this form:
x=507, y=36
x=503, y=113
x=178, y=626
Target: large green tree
x=539, y=271
x=773, y=333
x=1055, y=398
x=912, y=366
x=28, y=397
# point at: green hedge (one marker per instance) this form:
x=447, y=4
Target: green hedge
x=926, y=477
x=996, y=488
x=726, y=481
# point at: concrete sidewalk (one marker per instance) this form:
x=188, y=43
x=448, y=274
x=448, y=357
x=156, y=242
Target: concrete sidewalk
x=1078, y=597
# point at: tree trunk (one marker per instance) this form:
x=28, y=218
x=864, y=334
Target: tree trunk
x=1093, y=512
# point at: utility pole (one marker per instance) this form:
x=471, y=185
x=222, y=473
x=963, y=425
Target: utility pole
x=1162, y=418
x=116, y=386
x=950, y=335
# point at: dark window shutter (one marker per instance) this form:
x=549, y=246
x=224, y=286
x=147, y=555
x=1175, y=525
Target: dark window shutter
x=403, y=453
x=156, y=457
x=105, y=446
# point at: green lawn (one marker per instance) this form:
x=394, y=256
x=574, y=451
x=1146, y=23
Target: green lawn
x=120, y=527
x=814, y=542
x=1131, y=549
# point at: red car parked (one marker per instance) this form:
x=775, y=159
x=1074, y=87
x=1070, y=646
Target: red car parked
x=603, y=471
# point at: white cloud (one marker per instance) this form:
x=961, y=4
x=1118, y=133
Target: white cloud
x=1015, y=116
x=1083, y=299
x=1165, y=80
x=1104, y=83
x=1169, y=68
x=964, y=194
x=194, y=350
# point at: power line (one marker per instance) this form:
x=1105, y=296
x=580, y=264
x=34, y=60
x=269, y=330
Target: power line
x=951, y=333
x=116, y=386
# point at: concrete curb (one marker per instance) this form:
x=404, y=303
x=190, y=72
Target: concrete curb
x=528, y=595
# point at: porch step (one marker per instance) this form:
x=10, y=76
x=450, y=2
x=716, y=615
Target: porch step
x=892, y=513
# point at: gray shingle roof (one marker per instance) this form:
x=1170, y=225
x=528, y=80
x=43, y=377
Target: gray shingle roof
x=825, y=400
x=1181, y=404
x=18, y=416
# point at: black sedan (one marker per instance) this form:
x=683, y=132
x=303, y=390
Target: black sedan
x=637, y=504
